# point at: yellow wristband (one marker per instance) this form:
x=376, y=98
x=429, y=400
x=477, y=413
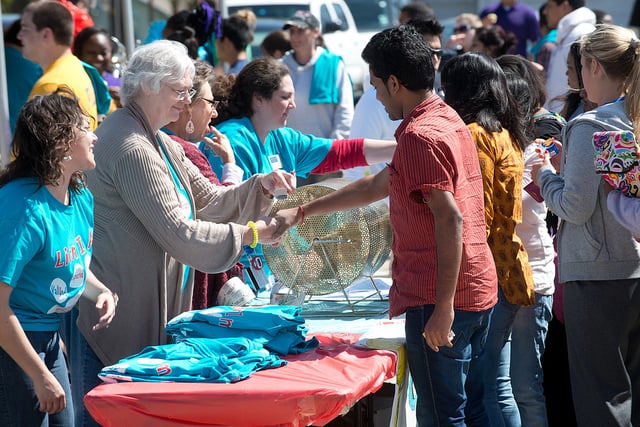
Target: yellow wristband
x=254, y=231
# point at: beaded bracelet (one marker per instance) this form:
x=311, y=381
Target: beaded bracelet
x=254, y=231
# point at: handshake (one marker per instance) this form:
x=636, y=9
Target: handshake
x=269, y=230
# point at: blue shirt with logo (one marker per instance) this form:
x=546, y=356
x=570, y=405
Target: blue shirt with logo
x=297, y=152
x=45, y=251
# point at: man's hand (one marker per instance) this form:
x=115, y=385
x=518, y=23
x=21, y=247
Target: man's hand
x=286, y=218
x=437, y=331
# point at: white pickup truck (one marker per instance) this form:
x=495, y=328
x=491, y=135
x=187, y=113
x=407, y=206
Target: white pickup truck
x=336, y=25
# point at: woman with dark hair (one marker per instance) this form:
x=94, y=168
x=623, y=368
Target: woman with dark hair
x=531, y=323
x=47, y=242
x=476, y=87
x=253, y=115
x=93, y=46
x=276, y=44
x=576, y=101
x=494, y=41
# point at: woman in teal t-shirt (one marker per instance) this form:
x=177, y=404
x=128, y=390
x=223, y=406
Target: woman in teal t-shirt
x=45, y=252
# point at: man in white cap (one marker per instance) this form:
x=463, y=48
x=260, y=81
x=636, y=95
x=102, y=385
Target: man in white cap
x=323, y=89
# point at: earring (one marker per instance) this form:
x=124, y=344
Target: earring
x=189, y=128
x=67, y=158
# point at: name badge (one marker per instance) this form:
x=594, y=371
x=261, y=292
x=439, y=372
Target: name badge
x=275, y=162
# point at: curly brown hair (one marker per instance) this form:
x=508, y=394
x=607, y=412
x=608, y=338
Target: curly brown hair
x=45, y=131
x=262, y=76
x=221, y=89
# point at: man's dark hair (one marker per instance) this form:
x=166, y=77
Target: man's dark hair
x=575, y=4
x=52, y=15
x=11, y=34
x=401, y=52
x=417, y=10
x=237, y=30
x=429, y=27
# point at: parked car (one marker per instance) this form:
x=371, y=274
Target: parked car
x=337, y=26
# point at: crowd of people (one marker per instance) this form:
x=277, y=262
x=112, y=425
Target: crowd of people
x=143, y=187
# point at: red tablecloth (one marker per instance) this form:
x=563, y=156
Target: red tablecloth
x=314, y=388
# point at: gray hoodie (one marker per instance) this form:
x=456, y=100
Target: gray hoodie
x=591, y=244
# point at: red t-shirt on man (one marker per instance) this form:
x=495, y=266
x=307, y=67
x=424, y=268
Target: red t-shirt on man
x=436, y=150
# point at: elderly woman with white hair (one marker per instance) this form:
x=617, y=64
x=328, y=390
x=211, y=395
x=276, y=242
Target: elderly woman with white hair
x=156, y=217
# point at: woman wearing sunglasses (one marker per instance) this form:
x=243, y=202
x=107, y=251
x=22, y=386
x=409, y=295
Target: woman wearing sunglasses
x=464, y=31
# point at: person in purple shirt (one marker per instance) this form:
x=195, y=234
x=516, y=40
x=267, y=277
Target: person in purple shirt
x=517, y=18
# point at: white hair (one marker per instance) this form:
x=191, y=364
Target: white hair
x=151, y=65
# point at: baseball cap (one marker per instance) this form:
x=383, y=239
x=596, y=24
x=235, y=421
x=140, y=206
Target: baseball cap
x=302, y=19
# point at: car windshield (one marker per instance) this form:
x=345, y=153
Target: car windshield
x=370, y=15
x=279, y=11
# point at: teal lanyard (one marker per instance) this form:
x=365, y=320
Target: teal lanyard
x=185, y=201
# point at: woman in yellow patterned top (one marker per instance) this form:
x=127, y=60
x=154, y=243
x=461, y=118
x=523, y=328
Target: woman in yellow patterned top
x=476, y=87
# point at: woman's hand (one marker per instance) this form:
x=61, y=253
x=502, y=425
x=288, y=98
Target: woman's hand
x=220, y=145
x=50, y=393
x=106, y=306
x=267, y=228
x=278, y=180
x=556, y=158
x=544, y=161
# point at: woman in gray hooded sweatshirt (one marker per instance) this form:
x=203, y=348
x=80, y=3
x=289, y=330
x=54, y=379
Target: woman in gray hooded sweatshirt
x=598, y=259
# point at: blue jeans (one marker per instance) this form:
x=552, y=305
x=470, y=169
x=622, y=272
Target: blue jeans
x=84, y=366
x=528, y=337
x=18, y=401
x=495, y=364
x=448, y=385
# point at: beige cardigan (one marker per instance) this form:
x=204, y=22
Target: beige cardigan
x=142, y=239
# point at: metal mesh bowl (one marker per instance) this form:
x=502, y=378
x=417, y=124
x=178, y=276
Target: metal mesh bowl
x=328, y=252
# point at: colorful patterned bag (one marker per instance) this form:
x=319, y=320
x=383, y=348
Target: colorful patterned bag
x=616, y=158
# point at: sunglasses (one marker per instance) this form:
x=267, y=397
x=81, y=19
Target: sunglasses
x=214, y=104
x=461, y=29
x=436, y=52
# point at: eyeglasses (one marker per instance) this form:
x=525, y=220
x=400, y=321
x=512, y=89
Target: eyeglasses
x=182, y=94
x=436, y=52
x=214, y=103
x=461, y=29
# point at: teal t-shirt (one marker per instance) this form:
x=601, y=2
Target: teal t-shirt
x=298, y=152
x=45, y=251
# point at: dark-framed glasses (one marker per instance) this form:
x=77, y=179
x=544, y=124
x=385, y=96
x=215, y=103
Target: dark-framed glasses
x=214, y=103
